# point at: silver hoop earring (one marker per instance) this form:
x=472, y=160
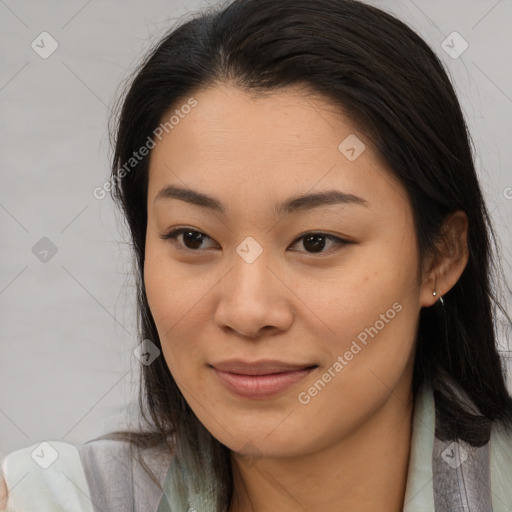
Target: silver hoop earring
x=434, y=293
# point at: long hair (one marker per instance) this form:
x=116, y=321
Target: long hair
x=390, y=82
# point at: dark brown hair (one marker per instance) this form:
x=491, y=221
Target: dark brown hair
x=393, y=85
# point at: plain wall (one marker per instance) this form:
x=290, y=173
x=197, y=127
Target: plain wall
x=67, y=368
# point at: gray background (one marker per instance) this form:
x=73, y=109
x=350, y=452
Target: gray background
x=67, y=369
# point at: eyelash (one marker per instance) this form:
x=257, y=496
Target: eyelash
x=173, y=235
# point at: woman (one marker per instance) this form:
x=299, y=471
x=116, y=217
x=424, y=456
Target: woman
x=313, y=256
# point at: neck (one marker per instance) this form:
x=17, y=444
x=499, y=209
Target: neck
x=365, y=471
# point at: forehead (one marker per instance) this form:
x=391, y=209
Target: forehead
x=258, y=144
x=234, y=120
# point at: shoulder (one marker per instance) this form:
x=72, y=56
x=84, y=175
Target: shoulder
x=118, y=476
x=501, y=466
x=55, y=476
x=45, y=475
x=104, y=455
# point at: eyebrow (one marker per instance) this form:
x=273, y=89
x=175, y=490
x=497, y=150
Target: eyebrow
x=292, y=205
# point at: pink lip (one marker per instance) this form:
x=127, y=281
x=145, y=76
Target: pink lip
x=259, y=380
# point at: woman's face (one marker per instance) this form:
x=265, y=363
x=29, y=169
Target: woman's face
x=247, y=286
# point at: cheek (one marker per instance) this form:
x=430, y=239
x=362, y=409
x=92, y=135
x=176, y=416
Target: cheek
x=363, y=293
x=171, y=288
x=178, y=296
x=170, y=297
x=175, y=303
x=369, y=325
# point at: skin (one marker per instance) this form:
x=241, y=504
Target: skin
x=351, y=440
x=3, y=494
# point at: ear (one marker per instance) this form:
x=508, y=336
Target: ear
x=444, y=269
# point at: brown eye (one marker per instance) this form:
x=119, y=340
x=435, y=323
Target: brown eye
x=316, y=242
x=192, y=239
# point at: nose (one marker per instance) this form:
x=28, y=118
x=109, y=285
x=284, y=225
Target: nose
x=254, y=299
